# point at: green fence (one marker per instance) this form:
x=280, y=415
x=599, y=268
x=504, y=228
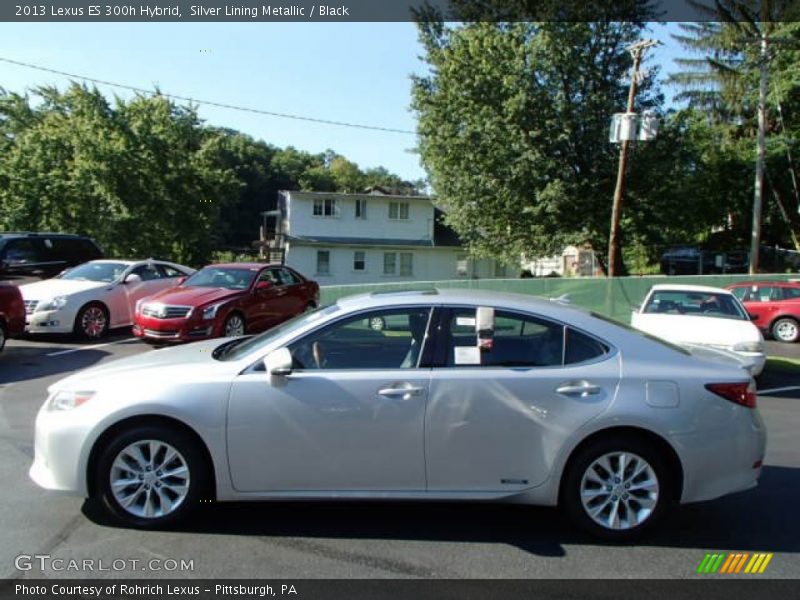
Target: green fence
x=614, y=297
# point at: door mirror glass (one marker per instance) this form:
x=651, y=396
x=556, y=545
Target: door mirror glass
x=132, y=278
x=180, y=280
x=279, y=362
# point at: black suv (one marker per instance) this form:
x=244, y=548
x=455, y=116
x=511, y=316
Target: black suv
x=693, y=260
x=26, y=256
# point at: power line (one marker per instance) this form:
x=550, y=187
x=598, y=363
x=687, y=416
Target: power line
x=206, y=102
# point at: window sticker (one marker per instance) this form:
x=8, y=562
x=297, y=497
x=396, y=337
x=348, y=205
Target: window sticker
x=465, y=321
x=467, y=355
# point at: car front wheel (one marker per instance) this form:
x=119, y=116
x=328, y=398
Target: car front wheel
x=617, y=489
x=786, y=330
x=92, y=321
x=234, y=325
x=151, y=476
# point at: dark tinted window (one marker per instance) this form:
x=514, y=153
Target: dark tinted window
x=21, y=252
x=287, y=277
x=580, y=347
x=170, y=272
x=791, y=293
x=519, y=341
x=147, y=272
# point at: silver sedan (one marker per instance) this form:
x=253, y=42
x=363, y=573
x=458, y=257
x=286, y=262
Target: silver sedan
x=463, y=395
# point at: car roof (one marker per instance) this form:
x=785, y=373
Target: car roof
x=685, y=287
x=35, y=234
x=244, y=265
x=766, y=282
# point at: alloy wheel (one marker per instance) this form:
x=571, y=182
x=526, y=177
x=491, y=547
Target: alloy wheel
x=786, y=330
x=619, y=490
x=234, y=326
x=93, y=322
x=149, y=479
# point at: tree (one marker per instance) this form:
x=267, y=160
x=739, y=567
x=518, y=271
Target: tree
x=513, y=124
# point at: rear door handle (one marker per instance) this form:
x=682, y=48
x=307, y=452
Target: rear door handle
x=399, y=392
x=578, y=389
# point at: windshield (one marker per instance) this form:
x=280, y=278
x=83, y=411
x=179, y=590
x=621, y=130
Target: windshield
x=229, y=351
x=96, y=271
x=696, y=304
x=230, y=278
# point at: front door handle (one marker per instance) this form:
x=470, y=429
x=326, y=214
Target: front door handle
x=400, y=392
x=581, y=389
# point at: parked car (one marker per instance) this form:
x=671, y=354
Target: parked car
x=705, y=316
x=12, y=313
x=33, y=256
x=225, y=300
x=480, y=396
x=774, y=306
x=95, y=296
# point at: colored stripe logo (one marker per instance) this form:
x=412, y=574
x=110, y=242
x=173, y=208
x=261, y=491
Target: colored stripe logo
x=735, y=563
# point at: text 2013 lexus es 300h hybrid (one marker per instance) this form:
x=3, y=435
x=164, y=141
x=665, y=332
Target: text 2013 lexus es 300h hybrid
x=463, y=395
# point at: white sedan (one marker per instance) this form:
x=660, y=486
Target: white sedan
x=95, y=296
x=708, y=317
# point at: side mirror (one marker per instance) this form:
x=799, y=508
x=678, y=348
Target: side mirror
x=132, y=278
x=263, y=285
x=279, y=362
x=180, y=280
x=484, y=327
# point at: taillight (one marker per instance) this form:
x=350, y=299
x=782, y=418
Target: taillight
x=739, y=393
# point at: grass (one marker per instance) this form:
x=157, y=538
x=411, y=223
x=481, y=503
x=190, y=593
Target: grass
x=787, y=365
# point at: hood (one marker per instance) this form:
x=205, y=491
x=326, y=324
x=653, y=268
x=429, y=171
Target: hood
x=196, y=354
x=48, y=288
x=194, y=296
x=681, y=329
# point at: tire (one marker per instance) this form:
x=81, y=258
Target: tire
x=3, y=336
x=786, y=330
x=156, y=499
x=92, y=321
x=377, y=323
x=234, y=325
x=587, y=486
x=309, y=307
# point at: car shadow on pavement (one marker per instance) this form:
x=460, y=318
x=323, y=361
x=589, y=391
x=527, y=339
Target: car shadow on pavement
x=25, y=363
x=761, y=519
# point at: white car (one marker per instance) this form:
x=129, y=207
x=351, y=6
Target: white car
x=95, y=296
x=696, y=315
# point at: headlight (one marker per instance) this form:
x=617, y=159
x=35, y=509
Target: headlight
x=211, y=311
x=749, y=347
x=65, y=400
x=56, y=303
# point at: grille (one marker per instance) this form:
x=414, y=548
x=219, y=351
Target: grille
x=165, y=312
x=30, y=306
x=170, y=333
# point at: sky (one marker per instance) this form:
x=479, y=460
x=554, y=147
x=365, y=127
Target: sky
x=348, y=72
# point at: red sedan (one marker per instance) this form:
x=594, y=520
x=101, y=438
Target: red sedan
x=225, y=301
x=12, y=313
x=773, y=305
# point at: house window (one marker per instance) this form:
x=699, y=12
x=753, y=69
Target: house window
x=323, y=262
x=325, y=207
x=389, y=263
x=406, y=264
x=361, y=209
x=462, y=266
x=499, y=269
x=398, y=210
x=359, y=261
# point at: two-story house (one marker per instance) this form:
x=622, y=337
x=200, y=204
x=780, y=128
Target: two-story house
x=373, y=238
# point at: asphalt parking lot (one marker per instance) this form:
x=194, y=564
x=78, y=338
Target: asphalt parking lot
x=373, y=540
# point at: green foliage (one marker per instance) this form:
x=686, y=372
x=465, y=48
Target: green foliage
x=145, y=177
x=513, y=120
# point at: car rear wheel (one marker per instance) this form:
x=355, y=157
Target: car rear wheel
x=151, y=476
x=617, y=489
x=786, y=330
x=92, y=321
x=234, y=325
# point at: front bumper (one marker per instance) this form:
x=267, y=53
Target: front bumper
x=58, y=463
x=49, y=321
x=173, y=330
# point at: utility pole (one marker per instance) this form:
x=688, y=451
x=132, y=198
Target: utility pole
x=758, y=194
x=637, y=50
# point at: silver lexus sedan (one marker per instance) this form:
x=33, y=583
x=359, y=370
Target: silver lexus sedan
x=463, y=395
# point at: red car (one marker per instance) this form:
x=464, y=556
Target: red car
x=773, y=305
x=224, y=301
x=12, y=313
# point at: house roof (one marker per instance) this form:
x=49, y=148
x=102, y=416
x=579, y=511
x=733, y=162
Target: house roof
x=359, y=241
